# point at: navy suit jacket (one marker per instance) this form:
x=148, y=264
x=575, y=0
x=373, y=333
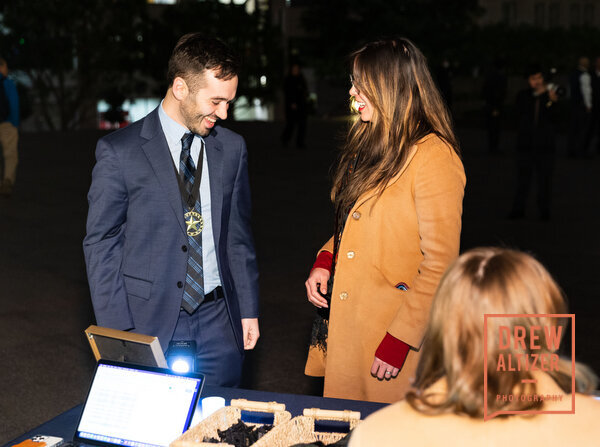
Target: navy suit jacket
x=134, y=246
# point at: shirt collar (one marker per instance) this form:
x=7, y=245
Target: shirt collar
x=172, y=129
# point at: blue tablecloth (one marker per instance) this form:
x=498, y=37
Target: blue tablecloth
x=64, y=425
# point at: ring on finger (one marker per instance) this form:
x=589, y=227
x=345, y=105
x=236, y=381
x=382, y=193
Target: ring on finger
x=388, y=372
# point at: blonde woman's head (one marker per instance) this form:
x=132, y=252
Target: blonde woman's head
x=493, y=281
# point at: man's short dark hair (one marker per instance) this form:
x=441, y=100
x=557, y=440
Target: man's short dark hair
x=533, y=69
x=196, y=53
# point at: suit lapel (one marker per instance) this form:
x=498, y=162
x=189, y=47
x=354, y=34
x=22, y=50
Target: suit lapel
x=159, y=156
x=214, y=157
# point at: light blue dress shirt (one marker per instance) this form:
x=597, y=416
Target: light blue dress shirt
x=173, y=132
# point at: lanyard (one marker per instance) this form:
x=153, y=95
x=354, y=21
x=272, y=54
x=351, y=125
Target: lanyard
x=189, y=199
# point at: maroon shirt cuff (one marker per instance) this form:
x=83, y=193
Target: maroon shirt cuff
x=392, y=351
x=323, y=261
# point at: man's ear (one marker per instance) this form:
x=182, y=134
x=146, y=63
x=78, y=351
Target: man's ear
x=180, y=88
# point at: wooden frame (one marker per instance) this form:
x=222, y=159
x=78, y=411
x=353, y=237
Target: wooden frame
x=122, y=346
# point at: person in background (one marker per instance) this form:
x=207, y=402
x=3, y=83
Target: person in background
x=398, y=190
x=580, y=86
x=296, y=106
x=446, y=405
x=594, y=129
x=536, y=143
x=9, y=129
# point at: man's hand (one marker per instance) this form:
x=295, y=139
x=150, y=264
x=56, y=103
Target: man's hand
x=251, y=332
x=317, y=280
x=383, y=370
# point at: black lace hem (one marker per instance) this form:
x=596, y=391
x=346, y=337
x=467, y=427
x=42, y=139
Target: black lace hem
x=320, y=329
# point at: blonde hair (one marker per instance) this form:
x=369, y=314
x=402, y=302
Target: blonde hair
x=488, y=281
x=393, y=75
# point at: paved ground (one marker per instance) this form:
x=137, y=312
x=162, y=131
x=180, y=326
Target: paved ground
x=46, y=362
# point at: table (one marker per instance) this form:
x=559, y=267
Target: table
x=64, y=424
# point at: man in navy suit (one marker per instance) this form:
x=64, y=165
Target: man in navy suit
x=164, y=258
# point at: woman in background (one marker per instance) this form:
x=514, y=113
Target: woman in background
x=398, y=190
x=446, y=406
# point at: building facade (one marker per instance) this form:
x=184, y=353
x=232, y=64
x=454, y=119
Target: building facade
x=541, y=13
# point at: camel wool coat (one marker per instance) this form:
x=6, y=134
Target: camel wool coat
x=404, y=239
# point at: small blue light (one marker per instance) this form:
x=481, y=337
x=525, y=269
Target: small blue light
x=181, y=356
x=181, y=366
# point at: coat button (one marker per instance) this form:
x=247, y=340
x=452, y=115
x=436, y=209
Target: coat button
x=356, y=215
x=184, y=248
x=343, y=295
x=179, y=284
x=350, y=254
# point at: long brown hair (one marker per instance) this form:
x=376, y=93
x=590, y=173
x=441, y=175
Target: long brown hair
x=488, y=281
x=393, y=75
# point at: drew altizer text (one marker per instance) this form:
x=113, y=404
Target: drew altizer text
x=527, y=362
x=530, y=397
x=517, y=349
x=547, y=336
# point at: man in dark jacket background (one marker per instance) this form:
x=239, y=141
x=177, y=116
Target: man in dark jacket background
x=536, y=146
x=296, y=108
x=594, y=128
x=580, y=89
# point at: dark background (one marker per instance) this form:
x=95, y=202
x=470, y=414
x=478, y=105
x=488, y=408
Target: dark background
x=68, y=54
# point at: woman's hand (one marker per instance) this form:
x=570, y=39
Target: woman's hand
x=317, y=280
x=383, y=370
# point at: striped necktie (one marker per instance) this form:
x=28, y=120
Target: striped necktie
x=193, y=293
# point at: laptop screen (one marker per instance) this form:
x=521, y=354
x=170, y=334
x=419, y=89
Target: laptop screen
x=137, y=406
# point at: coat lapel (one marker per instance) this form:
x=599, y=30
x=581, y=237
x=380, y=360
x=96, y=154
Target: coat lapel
x=159, y=156
x=214, y=157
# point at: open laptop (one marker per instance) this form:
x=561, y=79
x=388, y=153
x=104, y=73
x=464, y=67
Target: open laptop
x=137, y=406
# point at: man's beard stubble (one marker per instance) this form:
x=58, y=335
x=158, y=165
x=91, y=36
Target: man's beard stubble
x=192, y=120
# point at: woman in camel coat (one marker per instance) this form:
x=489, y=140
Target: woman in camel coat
x=398, y=193
x=447, y=405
